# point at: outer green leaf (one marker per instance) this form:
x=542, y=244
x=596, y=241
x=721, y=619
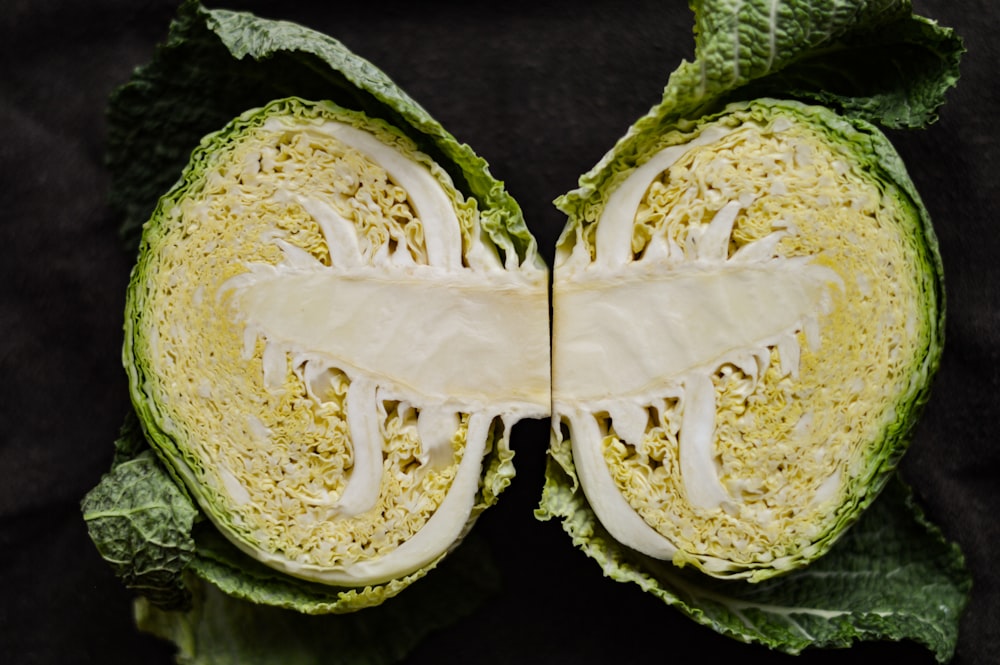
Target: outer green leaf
x=221, y=629
x=896, y=77
x=141, y=523
x=871, y=58
x=892, y=576
x=217, y=64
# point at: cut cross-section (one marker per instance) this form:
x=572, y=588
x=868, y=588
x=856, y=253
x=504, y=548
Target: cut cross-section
x=739, y=324
x=329, y=348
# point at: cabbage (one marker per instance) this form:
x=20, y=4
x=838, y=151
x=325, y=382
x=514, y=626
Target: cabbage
x=324, y=376
x=748, y=311
x=299, y=329
x=790, y=307
x=335, y=318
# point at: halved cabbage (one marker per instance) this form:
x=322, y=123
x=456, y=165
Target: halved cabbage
x=324, y=343
x=744, y=323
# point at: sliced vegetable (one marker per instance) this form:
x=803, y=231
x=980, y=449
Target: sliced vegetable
x=748, y=311
x=742, y=337
x=336, y=316
x=323, y=344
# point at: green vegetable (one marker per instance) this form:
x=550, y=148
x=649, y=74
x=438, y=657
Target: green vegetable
x=308, y=300
x=788, y=287
x=298, y=332
x=747, y=315
x=142, y=523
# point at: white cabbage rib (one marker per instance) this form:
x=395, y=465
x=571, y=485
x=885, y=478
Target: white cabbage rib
x=426, y=343
x=442, y=530
x=442, y=230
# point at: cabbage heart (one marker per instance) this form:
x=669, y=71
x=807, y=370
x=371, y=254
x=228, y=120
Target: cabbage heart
x=325, y=344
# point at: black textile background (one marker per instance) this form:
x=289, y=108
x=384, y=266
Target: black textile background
x=542, y=90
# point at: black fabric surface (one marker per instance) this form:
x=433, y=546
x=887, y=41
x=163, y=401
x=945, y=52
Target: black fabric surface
x=541, y=90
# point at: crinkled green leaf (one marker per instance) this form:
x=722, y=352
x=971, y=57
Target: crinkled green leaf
x=896, y=77
x=141, y=523
x=892, y=576
x=871, y=58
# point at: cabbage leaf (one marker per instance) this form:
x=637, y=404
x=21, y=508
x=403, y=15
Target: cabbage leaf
x=872, y=59
x=221, y=629
x=893, y=576
x=142, y=523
